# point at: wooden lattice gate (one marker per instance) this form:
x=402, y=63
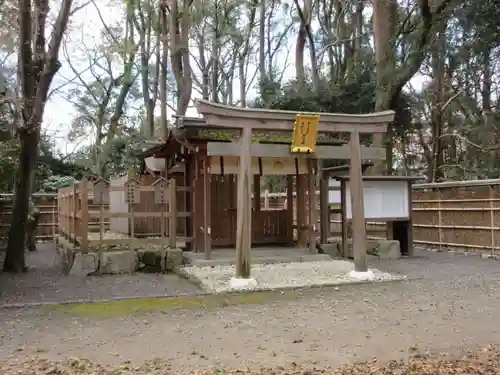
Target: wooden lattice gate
x=268, y=226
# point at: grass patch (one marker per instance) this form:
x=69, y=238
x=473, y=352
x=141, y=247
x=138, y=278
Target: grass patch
x=145, y=305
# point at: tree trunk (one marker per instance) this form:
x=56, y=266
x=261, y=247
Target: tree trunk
x=37, y=69
x=14, y=258
x=392, y=78
x=436, y=172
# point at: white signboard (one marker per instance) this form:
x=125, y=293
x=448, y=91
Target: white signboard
x=334, y=191
x=382, y=199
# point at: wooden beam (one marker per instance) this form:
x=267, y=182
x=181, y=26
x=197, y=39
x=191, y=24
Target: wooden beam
x=312, y=207
x=138, y=215
x=197, y=210
x=273, y=124
x=324, y=210
x=207, y=208
x=301, y=210
x=280, y=151
x=188, y=198
x=357, y=204
x=244, y=209
x=289, y=208
x=84, y=209
x=256, y=192
x=265, y=166
x=224, y=116
x=172, y=220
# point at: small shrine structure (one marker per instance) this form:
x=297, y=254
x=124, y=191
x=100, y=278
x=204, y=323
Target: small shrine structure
x=221, y=157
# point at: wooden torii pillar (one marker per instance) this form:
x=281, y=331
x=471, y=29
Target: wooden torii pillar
x=246, y=120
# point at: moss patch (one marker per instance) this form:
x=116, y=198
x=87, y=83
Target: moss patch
x=145, y=305
x=257, y=137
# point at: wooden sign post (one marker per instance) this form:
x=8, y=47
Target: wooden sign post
x=132, y=197
x=160, y=195
x=101, y=197
x=305, y=134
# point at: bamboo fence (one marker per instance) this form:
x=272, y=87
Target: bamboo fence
x=462, y=215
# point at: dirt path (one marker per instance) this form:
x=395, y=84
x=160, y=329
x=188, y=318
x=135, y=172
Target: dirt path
x=455, y=306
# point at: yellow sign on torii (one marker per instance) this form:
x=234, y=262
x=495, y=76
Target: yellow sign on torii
x=305, y=133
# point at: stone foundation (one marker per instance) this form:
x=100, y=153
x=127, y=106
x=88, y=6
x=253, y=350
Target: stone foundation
x=121, y=262
x=381, y=249
x=118, y=262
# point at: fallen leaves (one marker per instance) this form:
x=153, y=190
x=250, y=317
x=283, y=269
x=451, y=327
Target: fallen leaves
x=483, y=362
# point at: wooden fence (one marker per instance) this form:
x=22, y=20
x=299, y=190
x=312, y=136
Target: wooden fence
x=451, y=215
x=46, y=203
x=462, y=215
x=76, y=215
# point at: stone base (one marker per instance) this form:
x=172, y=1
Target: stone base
x=84, y=264
x=174, y=259
x=362, y=276
x=152, y=260
x=236, y=283
x=331, y=249
x=381, y=249
x=160, y=260
x=157, y=261
x=119, y=262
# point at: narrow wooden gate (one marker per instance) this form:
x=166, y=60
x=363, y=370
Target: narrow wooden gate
x=223, y=203
x=268, y=226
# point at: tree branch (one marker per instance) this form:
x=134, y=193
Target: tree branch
x=52, y=64
x=417, y=55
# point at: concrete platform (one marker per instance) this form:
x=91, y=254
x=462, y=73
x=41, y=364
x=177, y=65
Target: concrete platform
x=260, y=255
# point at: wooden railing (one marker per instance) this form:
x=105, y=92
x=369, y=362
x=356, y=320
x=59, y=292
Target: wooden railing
x=135, y=200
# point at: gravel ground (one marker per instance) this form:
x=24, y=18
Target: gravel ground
x=45, y=283
x=215, y=279
x=454, y=306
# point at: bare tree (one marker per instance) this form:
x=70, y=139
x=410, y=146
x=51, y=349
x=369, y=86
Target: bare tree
x=38, y=65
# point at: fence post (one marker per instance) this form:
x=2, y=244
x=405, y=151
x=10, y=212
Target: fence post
x=74, y=209
x=55, y=221
x=440, y=220
x=59, y=216
x=172, y=215
x=492, y=218
x=84, y=218
x=266, y=199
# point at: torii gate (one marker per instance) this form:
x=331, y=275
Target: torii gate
x=246, y=120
